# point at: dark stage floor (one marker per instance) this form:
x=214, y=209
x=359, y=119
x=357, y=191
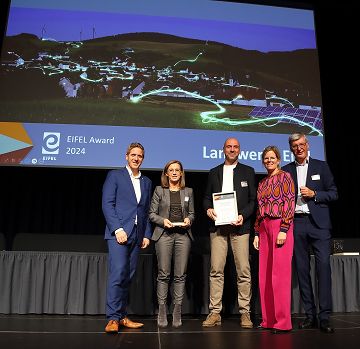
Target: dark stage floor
x=75, y=332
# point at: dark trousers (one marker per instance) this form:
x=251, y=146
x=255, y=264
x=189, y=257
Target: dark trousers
x=307, y=234
x=122, y=261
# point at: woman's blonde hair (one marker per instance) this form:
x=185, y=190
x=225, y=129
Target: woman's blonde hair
x=273, y=148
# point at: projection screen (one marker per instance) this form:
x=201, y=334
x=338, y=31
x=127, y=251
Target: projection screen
x=80, y=80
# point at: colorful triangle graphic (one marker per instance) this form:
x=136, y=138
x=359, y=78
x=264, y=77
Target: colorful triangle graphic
x=15, y=143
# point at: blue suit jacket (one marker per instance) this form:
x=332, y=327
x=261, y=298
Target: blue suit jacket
x=320, y=179
x=120, y=206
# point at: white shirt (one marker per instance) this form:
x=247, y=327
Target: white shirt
x=228, y=178
x=135, y=180
x=301, y=171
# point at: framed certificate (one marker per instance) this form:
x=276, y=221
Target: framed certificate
x=225, y=206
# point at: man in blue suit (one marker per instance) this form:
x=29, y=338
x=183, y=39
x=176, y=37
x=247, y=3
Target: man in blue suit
x=315, y=188
x=125, y=203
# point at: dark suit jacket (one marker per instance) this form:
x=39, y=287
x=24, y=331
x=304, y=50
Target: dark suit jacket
x=244, y=185
x=160, y=209
x=120, y=206
x=320, y=179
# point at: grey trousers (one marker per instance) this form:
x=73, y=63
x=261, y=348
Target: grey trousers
x=170, y=246
x=219, y=247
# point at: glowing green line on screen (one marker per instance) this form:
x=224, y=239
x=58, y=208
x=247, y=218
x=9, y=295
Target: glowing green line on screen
x=180, y=90
x=210, y=116
x=189, y=60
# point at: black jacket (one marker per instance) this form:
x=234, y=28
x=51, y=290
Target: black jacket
x=244, y=185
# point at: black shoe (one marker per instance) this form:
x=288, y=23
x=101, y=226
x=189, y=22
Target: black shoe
x=325, y=327
x=277, y=331
x=308, y=323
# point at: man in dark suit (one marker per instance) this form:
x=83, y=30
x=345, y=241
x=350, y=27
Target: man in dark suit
x=227, y=177
x=125, y=203
x=315, y=188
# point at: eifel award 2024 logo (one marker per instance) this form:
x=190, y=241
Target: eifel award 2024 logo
x=51, y=143
x=50, y=146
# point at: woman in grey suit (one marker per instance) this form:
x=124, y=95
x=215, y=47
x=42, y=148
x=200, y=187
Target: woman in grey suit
x=172, y=211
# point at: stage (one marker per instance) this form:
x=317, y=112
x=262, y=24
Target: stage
x=80, y=332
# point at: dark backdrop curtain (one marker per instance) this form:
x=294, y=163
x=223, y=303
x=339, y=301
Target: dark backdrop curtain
x=68, y=201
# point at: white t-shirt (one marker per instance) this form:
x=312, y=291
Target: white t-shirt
x=228, y=178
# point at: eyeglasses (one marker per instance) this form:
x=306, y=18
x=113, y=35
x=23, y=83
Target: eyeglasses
x=298, y=146
x=270, y=158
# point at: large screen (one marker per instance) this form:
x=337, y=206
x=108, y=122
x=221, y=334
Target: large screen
x=80, y=80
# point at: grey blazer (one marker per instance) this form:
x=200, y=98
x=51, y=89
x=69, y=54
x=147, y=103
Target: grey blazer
x=160, y=209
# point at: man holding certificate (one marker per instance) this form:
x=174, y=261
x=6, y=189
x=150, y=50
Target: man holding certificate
x=229, y=202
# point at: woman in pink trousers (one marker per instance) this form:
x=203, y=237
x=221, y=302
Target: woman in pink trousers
x=274, y=240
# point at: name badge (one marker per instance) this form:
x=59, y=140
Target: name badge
x=315, y=177
x=244, y=183
x=186, y=198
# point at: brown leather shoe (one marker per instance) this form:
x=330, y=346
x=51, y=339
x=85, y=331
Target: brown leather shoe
x=112, y=326
x=126, y=322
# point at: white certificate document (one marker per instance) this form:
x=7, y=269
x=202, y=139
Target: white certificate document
x=225, y=206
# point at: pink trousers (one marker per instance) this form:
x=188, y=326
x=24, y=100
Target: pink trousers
x=275, y=275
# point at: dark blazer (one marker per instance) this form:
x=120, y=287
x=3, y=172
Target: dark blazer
x=244, y=185
x=120, y=206
x=160, y=209
x=320, y=179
